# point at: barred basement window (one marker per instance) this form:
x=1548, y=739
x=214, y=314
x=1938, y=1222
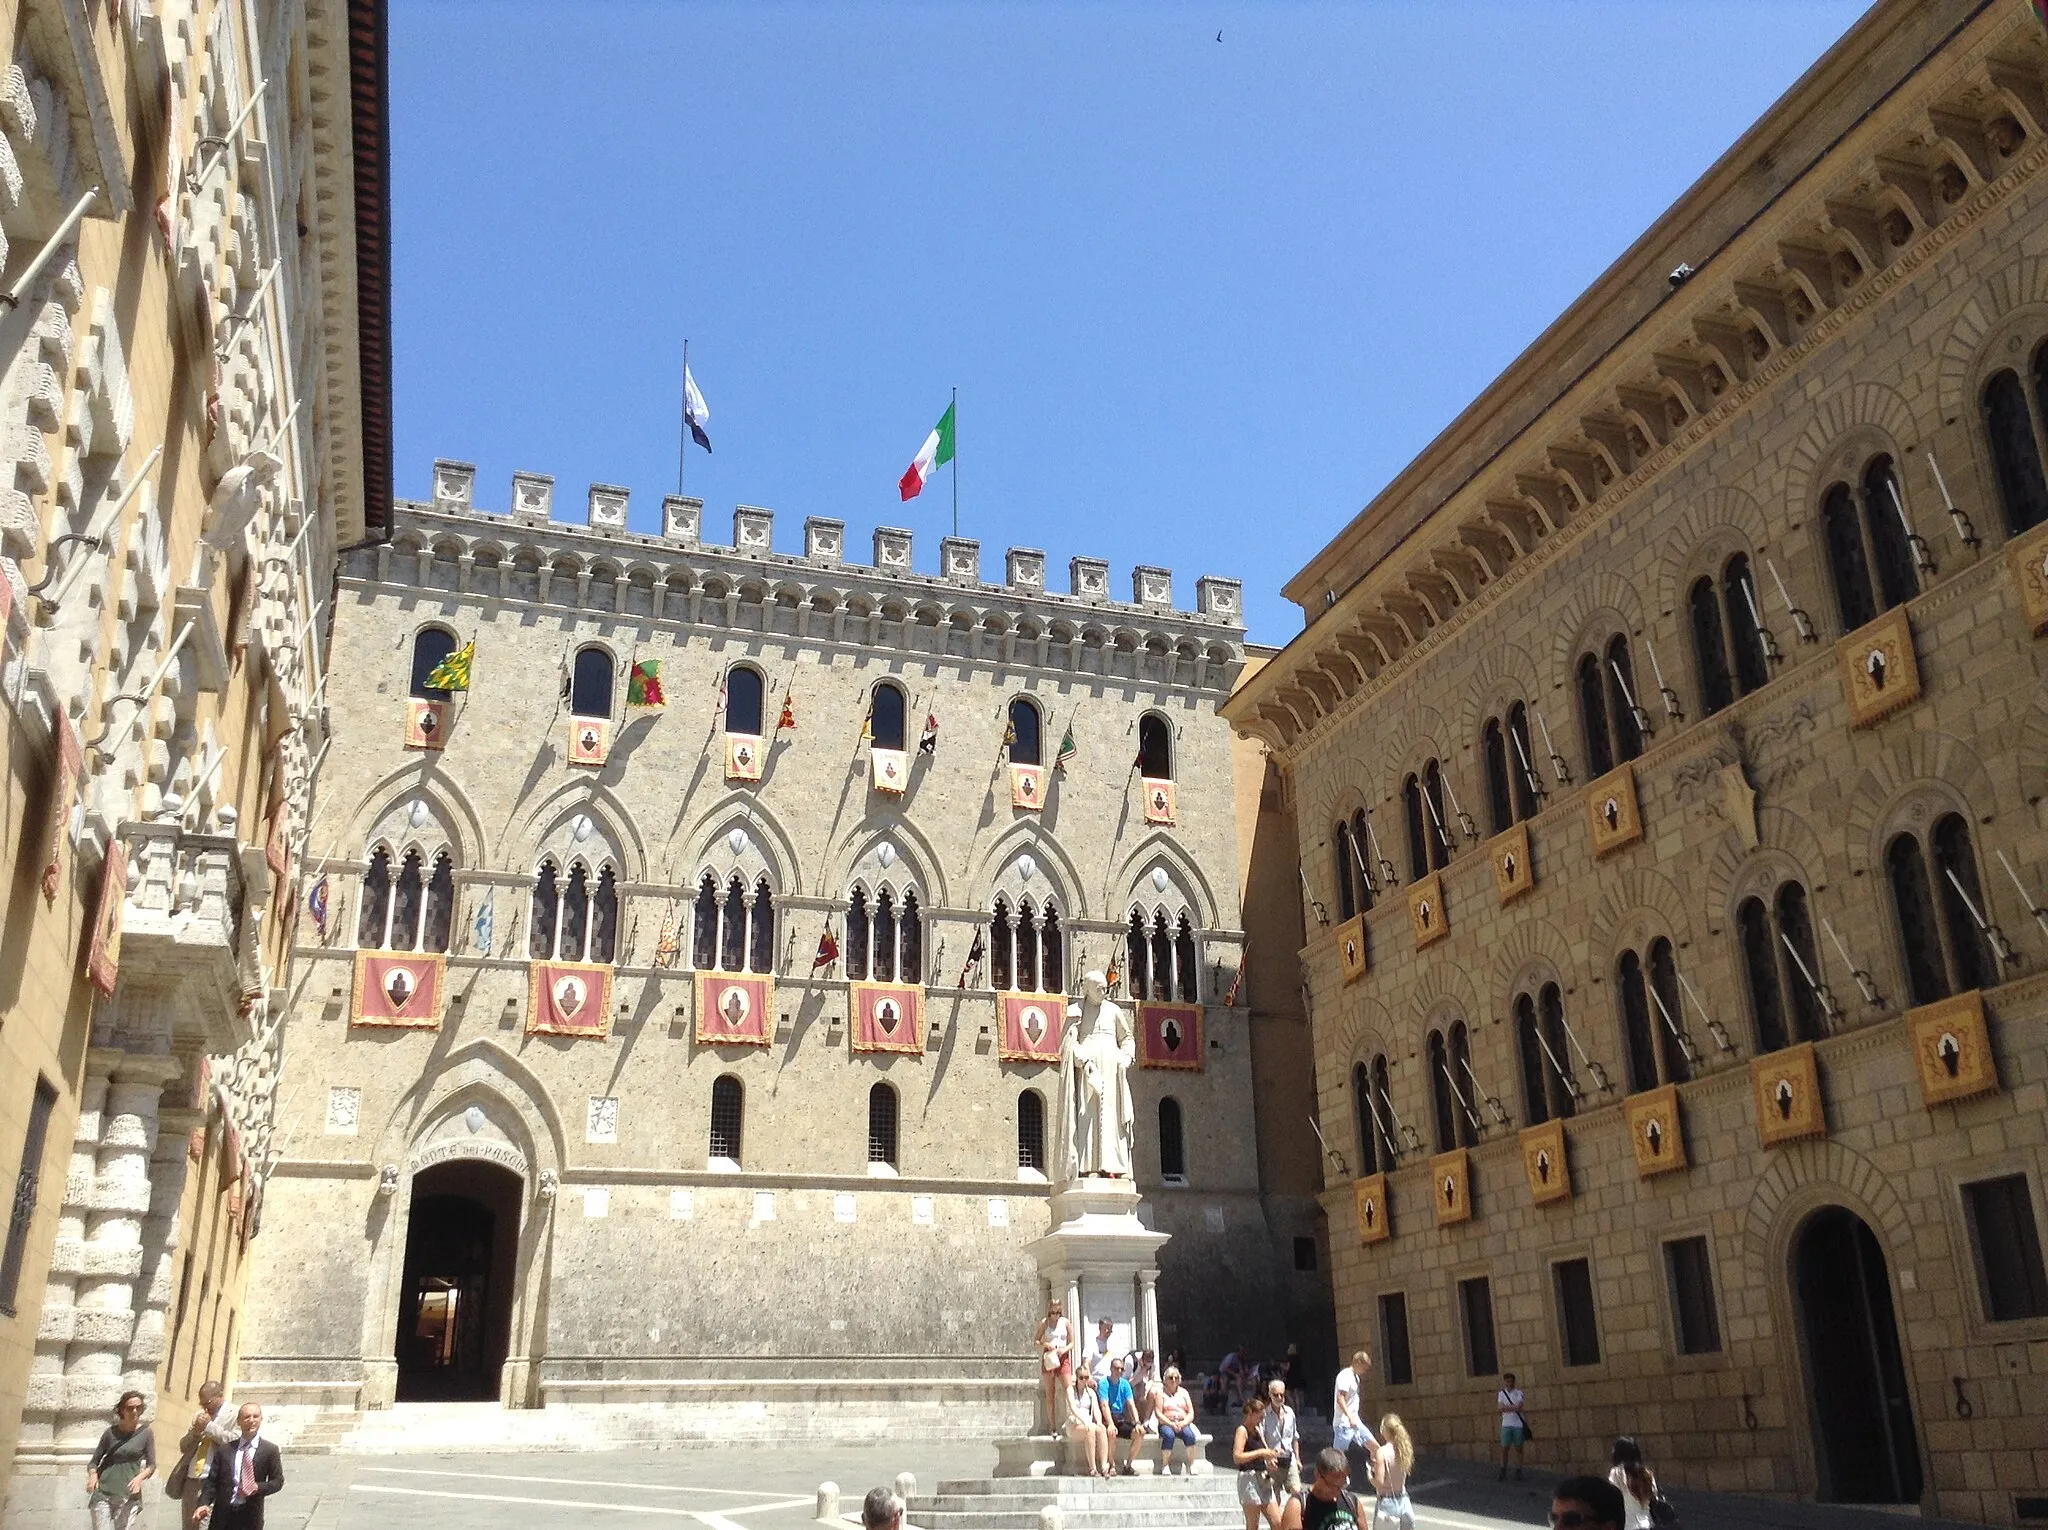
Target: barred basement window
x=728, y=1110
x=430, y=645
x=1394, y=1338
x=882, y=1125
x=1173, y=1158
x=1475, y=1306
x=1031, y=1131
x=2008, y=1247
x=27, y=1181
x=1577, y=1324
x=1689, y=1280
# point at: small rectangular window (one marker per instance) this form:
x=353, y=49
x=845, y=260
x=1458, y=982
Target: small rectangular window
x=1400, y=1368
x=1690, y=1280
x=27, y=1180
x=1304, y=1254
x=1475, y=1302
x=1576, y=1321
x=2009, y=1273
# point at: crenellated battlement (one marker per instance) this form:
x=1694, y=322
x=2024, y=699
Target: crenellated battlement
x=1218, y=601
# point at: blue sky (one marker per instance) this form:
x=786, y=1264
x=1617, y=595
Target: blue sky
x=1201, y=299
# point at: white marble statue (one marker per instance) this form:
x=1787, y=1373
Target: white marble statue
x=1096, y=1052
x=236, y=499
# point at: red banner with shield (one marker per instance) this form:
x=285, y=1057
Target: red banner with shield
x=1170, y=1036
x=1032, y=1023
x=569, y=999
x=397, y=988
x=888, y=1017
x=732, y=1009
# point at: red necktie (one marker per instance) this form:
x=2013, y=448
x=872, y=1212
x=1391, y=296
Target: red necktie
x=248, y=1482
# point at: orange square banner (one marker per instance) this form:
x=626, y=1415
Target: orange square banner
x=590, y=740
x=1027, y=787
x=1032, y=1026
x=426, y=723
x=732, y=1009
x=888, y=1017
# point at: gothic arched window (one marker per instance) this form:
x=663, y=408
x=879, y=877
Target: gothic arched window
x=1500, y=805
x=1052, y=955
x=885, y=937
x=373, y=907
x=439, y=919
x=2015, y=434
x=590, y=683
x=1001, y=968
x=1746, y=638
x=1185, y=962
x=1709, y=647
x=1638, y=1037
x=704, y=938
x=761, y=911
x=857, y=935
x=1347, y=903
x=1626, y=717
x=743, y=700
x=1535, y=1068
x=910, y=941
x=1870, y=559
x=1361, y=851
x=1666, y=1007
x=540, y=919
x=1464, y=1085
x=430, y=645
x=1362, y=1121
x=1138, y=957
x=1027, y=948
x=1521, y=762
x=1593, y=717
x=1441, y=1110
x=728, y=1117
x=1781, y=967
x=1934, y=886
x=1162, y=958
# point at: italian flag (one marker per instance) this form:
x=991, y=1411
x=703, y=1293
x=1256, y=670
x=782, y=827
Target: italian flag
x=936, y=452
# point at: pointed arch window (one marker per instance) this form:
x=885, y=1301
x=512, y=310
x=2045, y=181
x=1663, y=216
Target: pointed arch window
x=1346, y=877
x=2016, y=433
x=1593, y=717
x=1024, y=733
x=1639, y=1045
x=1746, y=638
x=882, y=1113
x=430, y=645
x=1607, y=711
x=728, y=1118
x=1500, y=806
x=1665, y=1002
x=1464, y=1084
x=885, y=937
x=604, y=917
x=761, y=911
x=574, y=916
x=1620, y=676
x=1138, y=957
x=1439, y=826
x=439, y=919
x=1052, y=955
x=1422, y=803
x=857, y=935
x=590, y=683
x=1031, y=1131
x=1521, y=762
x=1027, y=947
x=1186, y=963
x=1162, y=958
x=1001, y=966
x=373, y=907
x=886, y=713
x=1709, y=648
x=1557, y=1051
x=1362, y=1120
x=732, y=942
x=704, y=938
x=1535, y=1067
x=1173, y=1157
x=408, y=899
x=743, y=700
x=1945, y=951
x=1155, y=747
x=540, y=919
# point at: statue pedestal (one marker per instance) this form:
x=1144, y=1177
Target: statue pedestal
x=1100, y=1261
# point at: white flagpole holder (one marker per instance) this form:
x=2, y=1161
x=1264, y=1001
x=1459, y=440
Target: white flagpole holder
x=1800, y=620
x=1557, y=764
x=1991, y=932
x=1642, y=718
x=1714, y=1027
x=1772, y=651
x=1820, y=989
x=1922, y=560
x=1529, y=772
x=2040, y=914
x=1864, y=982
x=1685, y=1045
x=1671, y=707
x=1464, y=818
x=1965, y=532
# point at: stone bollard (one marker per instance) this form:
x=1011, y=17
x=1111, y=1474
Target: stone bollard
x=1050, y=1518
x=828, y=1502
x=906, y=1485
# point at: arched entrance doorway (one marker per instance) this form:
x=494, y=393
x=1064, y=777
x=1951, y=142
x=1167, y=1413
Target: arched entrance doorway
x=1864, y=1443
x=455, y=1304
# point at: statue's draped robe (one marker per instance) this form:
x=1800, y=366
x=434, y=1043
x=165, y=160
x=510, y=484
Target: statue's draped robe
x=1098, y=1128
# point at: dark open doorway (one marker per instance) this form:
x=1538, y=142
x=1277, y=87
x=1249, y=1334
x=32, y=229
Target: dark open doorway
x=455, y=1306
x=1864, y=1444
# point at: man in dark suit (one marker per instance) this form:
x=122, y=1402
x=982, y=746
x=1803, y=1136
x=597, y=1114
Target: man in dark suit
x=240, y=1476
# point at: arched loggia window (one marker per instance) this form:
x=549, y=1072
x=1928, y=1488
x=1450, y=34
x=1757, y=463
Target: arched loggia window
x=1607, y=685
x=1422, y=805
x=1780, y=967
x=1442, y=1112
x=1543, y=1050
x=2016, y=430
x=1648, y=994
x=1870, y=560
x=575, y=913
x=734, y=930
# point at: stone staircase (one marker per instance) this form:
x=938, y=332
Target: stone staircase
x=1082, y=1503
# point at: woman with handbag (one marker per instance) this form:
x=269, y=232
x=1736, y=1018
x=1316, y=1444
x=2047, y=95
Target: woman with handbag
x=1056, y=1361
x=1644, y=1504
x=1261, y=1490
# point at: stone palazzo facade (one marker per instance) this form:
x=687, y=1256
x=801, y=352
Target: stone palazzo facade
x=698, y=1056
x=1669, y=745
x=193, y=399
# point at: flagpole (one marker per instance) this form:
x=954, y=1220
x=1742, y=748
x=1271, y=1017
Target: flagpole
x=954, y=410
x=683, y=438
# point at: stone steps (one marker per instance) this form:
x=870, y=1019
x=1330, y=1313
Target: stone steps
x=1083, y=1503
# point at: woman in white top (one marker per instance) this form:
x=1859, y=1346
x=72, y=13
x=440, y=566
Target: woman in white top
x=1085, y=1427
x=1055, y=1361
x=1637, y=1482
x=1391, y=1464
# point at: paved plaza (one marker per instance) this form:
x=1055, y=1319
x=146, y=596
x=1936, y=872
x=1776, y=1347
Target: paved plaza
x=775, y=1489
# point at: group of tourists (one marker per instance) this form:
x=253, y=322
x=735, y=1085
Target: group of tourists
x=1104, y=1396
x=224, y=1471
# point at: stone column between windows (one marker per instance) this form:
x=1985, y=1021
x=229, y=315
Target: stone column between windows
x=96, y=1362
x=1148, y=1312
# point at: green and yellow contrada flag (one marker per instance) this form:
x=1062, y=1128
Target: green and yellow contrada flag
x=643, y=686
x=452, y=673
